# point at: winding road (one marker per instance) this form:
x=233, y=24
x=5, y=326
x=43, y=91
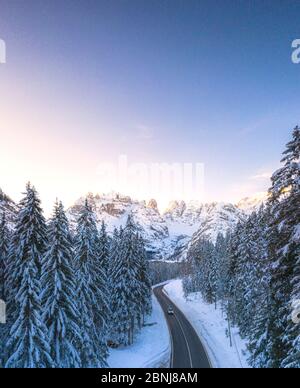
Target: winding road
x=187, y=349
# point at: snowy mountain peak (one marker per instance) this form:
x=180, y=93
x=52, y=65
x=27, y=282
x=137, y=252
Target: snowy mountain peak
x=168, y=235
x=152, y=204
x=114, y=210
x=175, y=209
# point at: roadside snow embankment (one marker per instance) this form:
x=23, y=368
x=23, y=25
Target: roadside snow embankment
x=151, y=348
x=211, y=326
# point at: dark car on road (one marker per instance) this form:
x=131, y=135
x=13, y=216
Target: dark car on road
x=170, y=310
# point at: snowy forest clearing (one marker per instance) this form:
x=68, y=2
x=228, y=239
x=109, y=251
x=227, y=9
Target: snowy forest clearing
x=211, y=327
x=151, y=348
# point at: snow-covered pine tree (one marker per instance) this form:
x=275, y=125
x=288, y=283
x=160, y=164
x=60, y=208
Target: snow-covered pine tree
x=208, y=272
x=28, y=343
x=260, y=293
x=217, y=269
x=284, y=251
x=145, y=298
x=92, y=292
x=224, y=280
x=203, y=277
x=232, y=278
x=112, y=270
x=125, y=298
x=251, y=262
x=221, y=251
x=197, y=279
x=190, y=281
x=246, y=281
x=113, y=247
x=59, y=295
x=104, y=248
x=104, y=252
x=113, y=257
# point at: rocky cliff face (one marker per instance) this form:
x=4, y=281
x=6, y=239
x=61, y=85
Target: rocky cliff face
x=196, y=220
x=167, y=235
x=114, y=210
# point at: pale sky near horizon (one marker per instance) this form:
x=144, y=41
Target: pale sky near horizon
x=159, y=81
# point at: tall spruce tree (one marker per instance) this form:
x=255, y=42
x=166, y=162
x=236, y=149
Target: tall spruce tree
x=104, y=249
x=113, y=253
x=248, y=256
x=125, y=299
x=28, y=342
x=112, y=269
x=260, y=293
x=145, y=290
x=59, y=294
x=233, y=252
x=217, y=269
x=92, y=292
x=207, y=271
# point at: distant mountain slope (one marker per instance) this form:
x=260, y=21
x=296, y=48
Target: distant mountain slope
x=167, y=235
x=199, y=220
x=114, y=210
x=211, y=219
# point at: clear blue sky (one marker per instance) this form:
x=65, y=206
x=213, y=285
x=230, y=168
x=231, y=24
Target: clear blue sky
x=159, y=80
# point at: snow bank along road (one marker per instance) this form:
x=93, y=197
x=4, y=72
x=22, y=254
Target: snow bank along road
x=187, y=349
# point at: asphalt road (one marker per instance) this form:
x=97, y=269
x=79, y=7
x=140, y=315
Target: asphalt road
x=187, y=349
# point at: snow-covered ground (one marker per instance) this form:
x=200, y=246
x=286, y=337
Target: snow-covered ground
x=211, y=327
x=151, y=348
